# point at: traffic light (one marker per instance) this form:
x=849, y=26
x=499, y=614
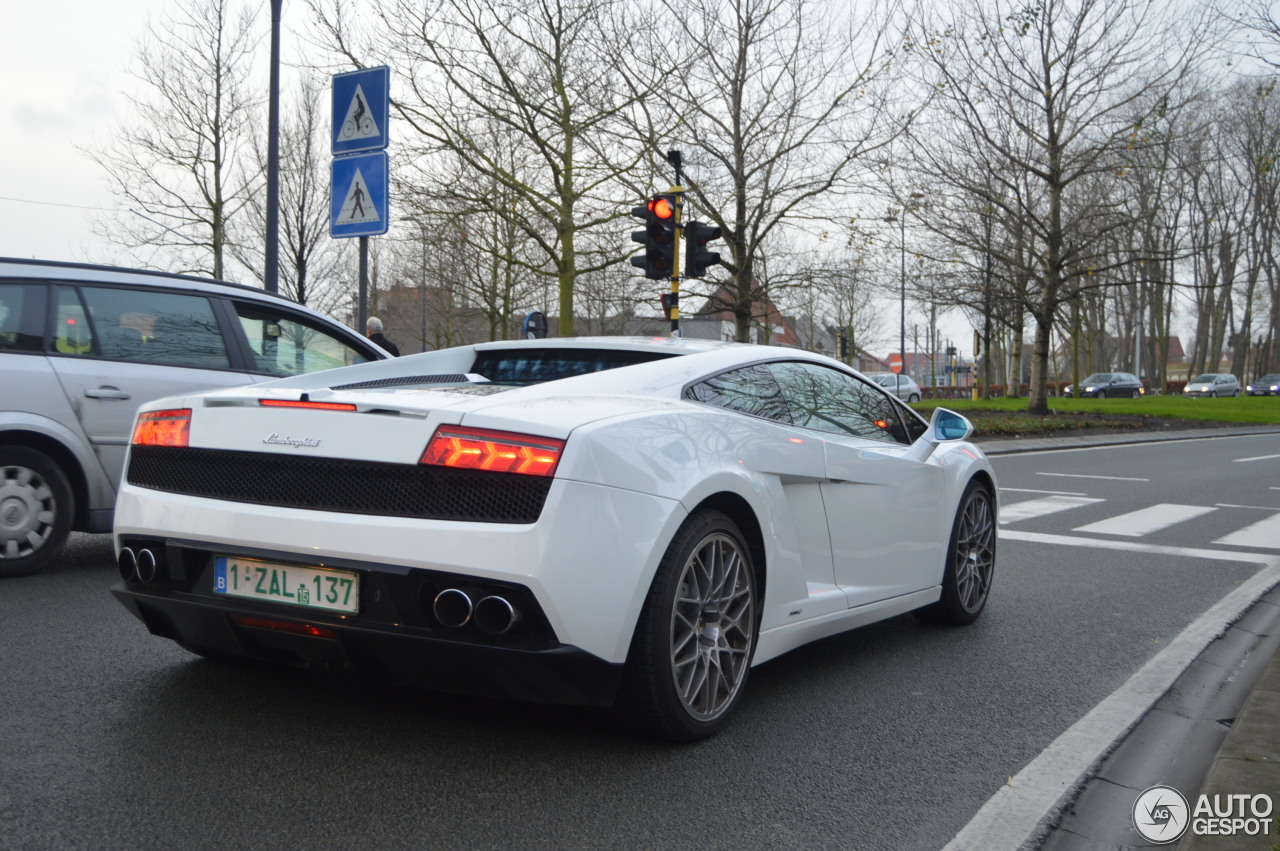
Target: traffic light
x=668, y=301
x=843, y=344
x=696, y=256
x=658, y=236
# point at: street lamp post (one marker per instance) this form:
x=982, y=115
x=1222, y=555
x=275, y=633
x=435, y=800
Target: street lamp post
x=900, y=216
x=271, y=273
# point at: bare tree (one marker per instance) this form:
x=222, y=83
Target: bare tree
x=551, y=77
x=312, y=267
x=785, y=104
x=1047, y=97
x=177, y=166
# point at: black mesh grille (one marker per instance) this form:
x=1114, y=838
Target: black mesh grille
x=335, y=484
x=404, y=380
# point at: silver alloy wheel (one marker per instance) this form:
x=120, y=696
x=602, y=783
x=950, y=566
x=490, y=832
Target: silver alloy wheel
x=975, y=551
x=712, y=627
x=27, y=511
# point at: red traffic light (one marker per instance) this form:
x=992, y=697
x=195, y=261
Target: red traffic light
x=662, y=207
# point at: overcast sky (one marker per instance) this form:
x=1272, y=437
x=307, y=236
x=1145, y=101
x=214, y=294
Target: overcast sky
x=65, y=66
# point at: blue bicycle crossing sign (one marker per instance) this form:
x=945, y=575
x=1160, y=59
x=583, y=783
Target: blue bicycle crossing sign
x=358, y=196
x=361, y=110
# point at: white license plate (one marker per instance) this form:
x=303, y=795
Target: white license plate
x=293, y=584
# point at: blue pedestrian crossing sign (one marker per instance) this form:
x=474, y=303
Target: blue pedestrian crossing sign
x=358, y=199
x=361, y=110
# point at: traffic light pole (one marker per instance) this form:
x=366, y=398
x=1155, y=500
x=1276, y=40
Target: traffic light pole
x=678, y=191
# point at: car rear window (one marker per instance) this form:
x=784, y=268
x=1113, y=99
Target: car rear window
x=534, y=366
x=21, y=316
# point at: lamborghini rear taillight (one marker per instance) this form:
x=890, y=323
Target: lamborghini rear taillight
x=163, y=428
x=495, y=451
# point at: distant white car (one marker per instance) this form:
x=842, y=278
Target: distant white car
x=618, y=521
x=1212, y=384
x=900, y=385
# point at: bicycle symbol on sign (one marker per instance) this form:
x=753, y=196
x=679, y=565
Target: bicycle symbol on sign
x=360, y=124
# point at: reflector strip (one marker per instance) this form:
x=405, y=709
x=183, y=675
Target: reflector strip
x=163, y=428
x=294, y=403
x=284, y=626
x=495, y=451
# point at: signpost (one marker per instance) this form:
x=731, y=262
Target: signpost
x=359, y=181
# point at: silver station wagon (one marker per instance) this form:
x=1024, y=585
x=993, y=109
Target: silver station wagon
x=81, y=347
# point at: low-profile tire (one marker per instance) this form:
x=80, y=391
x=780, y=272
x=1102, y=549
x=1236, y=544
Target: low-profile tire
x=971, y=561
x=696, y=635
x=36, y=508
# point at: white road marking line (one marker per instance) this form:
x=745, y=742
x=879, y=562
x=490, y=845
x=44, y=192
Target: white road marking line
x=1029, y=490
x=1255, y=458
x=1134, y=547
x=1083, y=476
x=1258, y=507
x=1265, y=533
x=1040, y=507
x=1014, y=814
x=1136, y=524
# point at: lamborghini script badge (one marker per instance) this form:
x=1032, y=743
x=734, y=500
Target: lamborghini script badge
x=291, y=441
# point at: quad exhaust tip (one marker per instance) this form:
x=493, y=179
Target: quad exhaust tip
x=140, y=566
x=452, y=608
x=495, y=616
x=127, y=562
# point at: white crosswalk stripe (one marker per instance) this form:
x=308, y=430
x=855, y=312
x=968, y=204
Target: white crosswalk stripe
x=1039, y=507
x=1136, y=524
x=1264, y=534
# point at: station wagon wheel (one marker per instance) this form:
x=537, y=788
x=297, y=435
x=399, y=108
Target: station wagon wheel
x=694, y=641
x=971, y=561
x=35, y=510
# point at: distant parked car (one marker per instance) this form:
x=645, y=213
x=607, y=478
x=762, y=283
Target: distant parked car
x=1101, y=385
x=899, y=385
x=81, y=347
x=1267, y=385
x=1212, y=384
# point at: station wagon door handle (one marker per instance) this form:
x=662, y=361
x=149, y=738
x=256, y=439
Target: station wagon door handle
x=106, y=391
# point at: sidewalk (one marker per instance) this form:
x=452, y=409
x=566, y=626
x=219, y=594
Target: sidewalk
x=1247, y=762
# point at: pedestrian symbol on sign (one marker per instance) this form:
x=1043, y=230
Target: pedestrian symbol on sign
x=356, y=205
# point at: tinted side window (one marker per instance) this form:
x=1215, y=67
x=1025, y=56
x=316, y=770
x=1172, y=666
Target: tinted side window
x=533, y=366
x=751, y=390
x=827, y=400
x=915, y=426
x=284, y=344
x=22, y=317
x=146, y=326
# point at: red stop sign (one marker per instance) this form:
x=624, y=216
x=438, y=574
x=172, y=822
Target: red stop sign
x=895, y=363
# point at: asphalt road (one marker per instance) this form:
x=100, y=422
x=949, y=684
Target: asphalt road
x=892, y=736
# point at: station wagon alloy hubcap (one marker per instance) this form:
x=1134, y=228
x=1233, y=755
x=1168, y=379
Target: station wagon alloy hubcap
x=711, y=627
x=974, y=555
x=26, y=512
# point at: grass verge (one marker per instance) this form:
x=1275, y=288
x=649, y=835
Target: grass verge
x=1010, y=417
